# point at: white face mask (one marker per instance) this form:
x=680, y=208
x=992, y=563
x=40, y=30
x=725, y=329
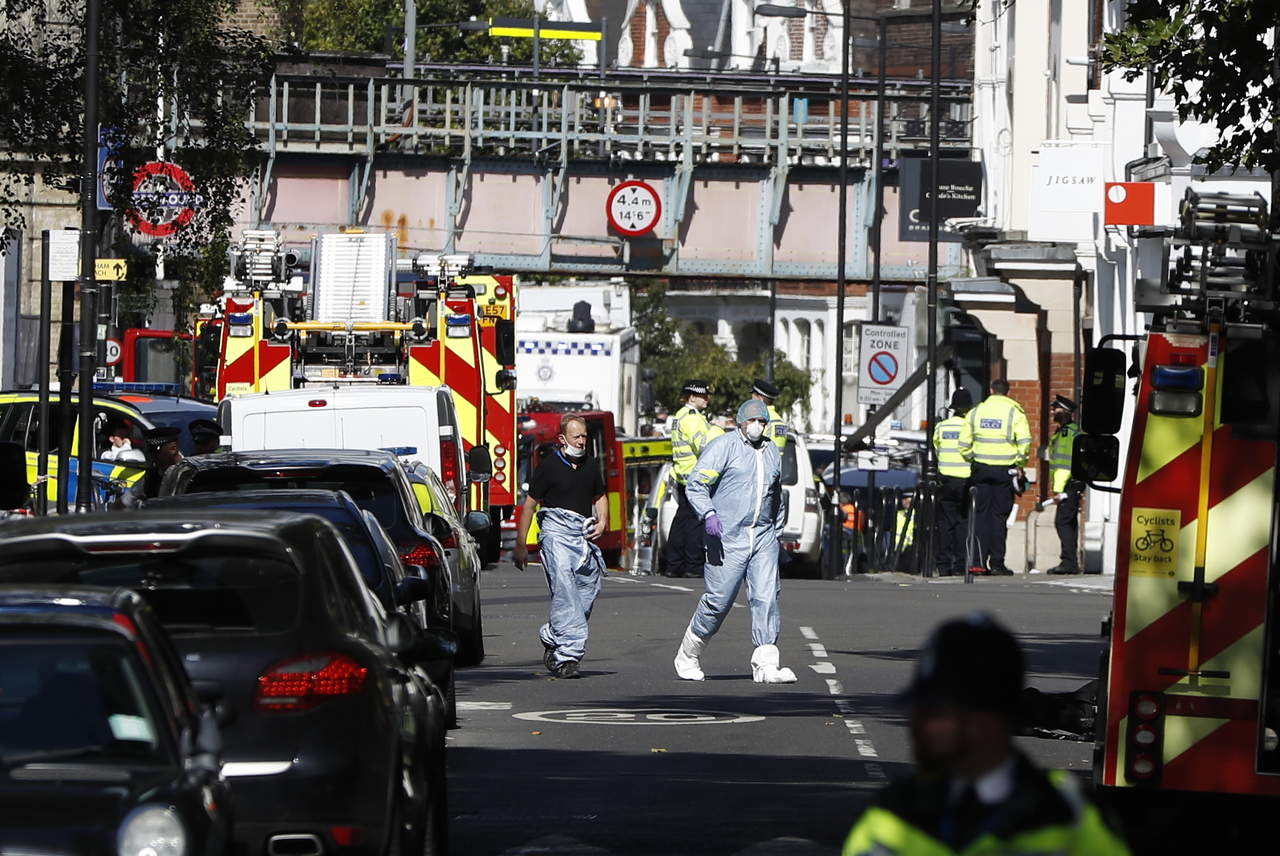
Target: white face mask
x=575, y=452
x=754, y=430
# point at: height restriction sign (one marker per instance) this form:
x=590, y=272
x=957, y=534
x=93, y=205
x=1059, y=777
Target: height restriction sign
x=882, y=362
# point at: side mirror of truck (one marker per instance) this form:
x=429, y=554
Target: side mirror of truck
x=505, y=341
x=479, y=464
x=505, y=379
x=1102, y=393
x=1095, y=458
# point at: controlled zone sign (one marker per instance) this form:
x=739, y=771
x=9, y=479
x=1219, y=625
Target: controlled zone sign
x=882, y=362
x=633, y=208
x=164, y=199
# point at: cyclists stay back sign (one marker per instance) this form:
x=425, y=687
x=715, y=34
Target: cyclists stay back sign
x=1153, y=541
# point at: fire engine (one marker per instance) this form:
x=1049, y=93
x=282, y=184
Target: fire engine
x=362, y=315
x=1189, y=695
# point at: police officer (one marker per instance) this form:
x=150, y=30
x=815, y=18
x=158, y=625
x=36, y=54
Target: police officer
x=904, y=533
x=973, y=791
x=1001, y=443
x=762, y=390
x=689, y=434
x=953, y=442
x=163, y=443
x=1066, y=491
x=205, y=436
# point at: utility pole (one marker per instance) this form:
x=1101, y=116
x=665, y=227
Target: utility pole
x=88, y=255
x=931, y=360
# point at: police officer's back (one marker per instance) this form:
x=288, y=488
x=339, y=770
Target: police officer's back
x=1001, y=443
x=973, y=791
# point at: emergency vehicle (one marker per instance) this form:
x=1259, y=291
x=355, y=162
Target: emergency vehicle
x=1189, y=695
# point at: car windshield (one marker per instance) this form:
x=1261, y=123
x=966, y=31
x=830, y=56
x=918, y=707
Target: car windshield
x=370, y=487
x=76, y=701
x=191, y=592
x=790, y=470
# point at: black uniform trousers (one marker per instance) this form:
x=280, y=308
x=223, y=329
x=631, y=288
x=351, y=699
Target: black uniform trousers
x=685, y=551
x=1067, y=521
x=953, y=516
x=993, y=500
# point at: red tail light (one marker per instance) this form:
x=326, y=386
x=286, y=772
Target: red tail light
x=421, y=554
x=449, y=472
x=301, y=683
x=1145, y=749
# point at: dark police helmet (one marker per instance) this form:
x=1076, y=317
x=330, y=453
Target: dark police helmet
x=972, y=663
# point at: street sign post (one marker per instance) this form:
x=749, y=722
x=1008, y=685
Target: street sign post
x=110, y=270
x=882, y=364
x=63, y=252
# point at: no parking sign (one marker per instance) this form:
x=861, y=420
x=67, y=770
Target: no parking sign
x=882, y=362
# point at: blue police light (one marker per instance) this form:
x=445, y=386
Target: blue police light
x=401, y=451
x=1177, y=377
x=390, y=378
x=240, y=318
x=136, y=387
x=458, y=326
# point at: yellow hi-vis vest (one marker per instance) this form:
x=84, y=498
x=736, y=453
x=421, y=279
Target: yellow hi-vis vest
x=1001, y=435
x=953, y=441
x=904, y=534
x=777, y=430
x=690, y=433
x=1060, y=456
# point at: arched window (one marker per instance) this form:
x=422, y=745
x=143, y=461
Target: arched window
x=800, y=355
x=818, y=350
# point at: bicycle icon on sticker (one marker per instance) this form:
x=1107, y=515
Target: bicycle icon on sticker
x=1155, y=538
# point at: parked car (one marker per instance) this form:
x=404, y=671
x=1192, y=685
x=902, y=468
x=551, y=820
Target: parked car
x=164, y=410
x=333, y=735
x=801, y=536
x=375, y=555
x=459, y=536
x=104, y=745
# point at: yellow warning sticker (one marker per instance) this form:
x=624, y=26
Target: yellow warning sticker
x=1153, y=542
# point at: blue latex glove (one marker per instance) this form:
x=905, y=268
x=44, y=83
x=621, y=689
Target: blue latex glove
x=713, y=525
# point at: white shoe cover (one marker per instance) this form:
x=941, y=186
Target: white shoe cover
x=765, y=669
x=688, y=667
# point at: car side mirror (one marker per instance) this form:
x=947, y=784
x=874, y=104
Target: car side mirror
x=412, y=644
x=479, y=464
x=505, y=379
x=505, y=342
x=477, y=522
x=412, y=589
x=438, y=644
x=213, y=695
x=1095, y=458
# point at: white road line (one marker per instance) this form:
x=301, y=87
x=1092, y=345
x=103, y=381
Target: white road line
x=484, y=705
x=823, y=668
x=673, y=588
x=844, y=708
x=818, y=649
x=834, y=687
x=875, y=771
x=617, y=579
x=865, y=749
x=808, y=633
x=854, y=726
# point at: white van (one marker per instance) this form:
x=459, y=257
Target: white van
x=416, y=422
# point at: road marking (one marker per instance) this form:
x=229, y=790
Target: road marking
x=484, y=705
x=875, y=771
x=865, y=749
x=834, y=687
x=618, y=579
x=808, y=633
x=843, y=707
x=854, y=726
x=640, y=716
x=673, y=588
x=818, y=649
x=823, y=668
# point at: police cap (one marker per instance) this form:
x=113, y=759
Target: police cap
x=971, y=663
x=204, y=428
x=763, y=387
x=1064, y=403
x=961, y=400
x=696, y=387
x=157, y=437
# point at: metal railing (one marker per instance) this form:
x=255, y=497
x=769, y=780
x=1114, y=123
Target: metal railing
x=572, y=115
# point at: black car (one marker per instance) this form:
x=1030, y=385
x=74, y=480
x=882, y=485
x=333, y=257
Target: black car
x=104, y=746
x=375, y=556
x=374, y=479
x=335, y=739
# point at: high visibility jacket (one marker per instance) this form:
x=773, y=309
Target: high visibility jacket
x=1001, y=435
x=777, y=430
x=904, y=533
x=953, y=440
x=1060, y=456
x=854, y=518
x=1047, y=813
x=689, y=434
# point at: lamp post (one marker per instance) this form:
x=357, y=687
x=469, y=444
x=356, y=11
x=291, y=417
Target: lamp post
x=771, y=10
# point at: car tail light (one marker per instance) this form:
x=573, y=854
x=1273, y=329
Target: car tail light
x=1145, y=738
x=449, y=471
x=421, y=554
x=301, y=683
x=810, y=500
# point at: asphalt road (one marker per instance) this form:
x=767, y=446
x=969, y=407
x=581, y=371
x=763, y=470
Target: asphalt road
x=630, y=760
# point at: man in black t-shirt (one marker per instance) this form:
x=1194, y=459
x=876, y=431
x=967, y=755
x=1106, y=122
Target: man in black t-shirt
x=567, y=493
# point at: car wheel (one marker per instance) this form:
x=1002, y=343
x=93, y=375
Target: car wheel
x=435, y=833
x=472, y=653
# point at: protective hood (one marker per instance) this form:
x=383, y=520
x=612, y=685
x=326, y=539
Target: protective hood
x=753, y=408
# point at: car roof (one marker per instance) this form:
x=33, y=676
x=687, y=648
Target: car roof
x=68, y=598
x=358, y=391
x=34, y=394
x=131, y=524
x=294, y=458
x=147, y=402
